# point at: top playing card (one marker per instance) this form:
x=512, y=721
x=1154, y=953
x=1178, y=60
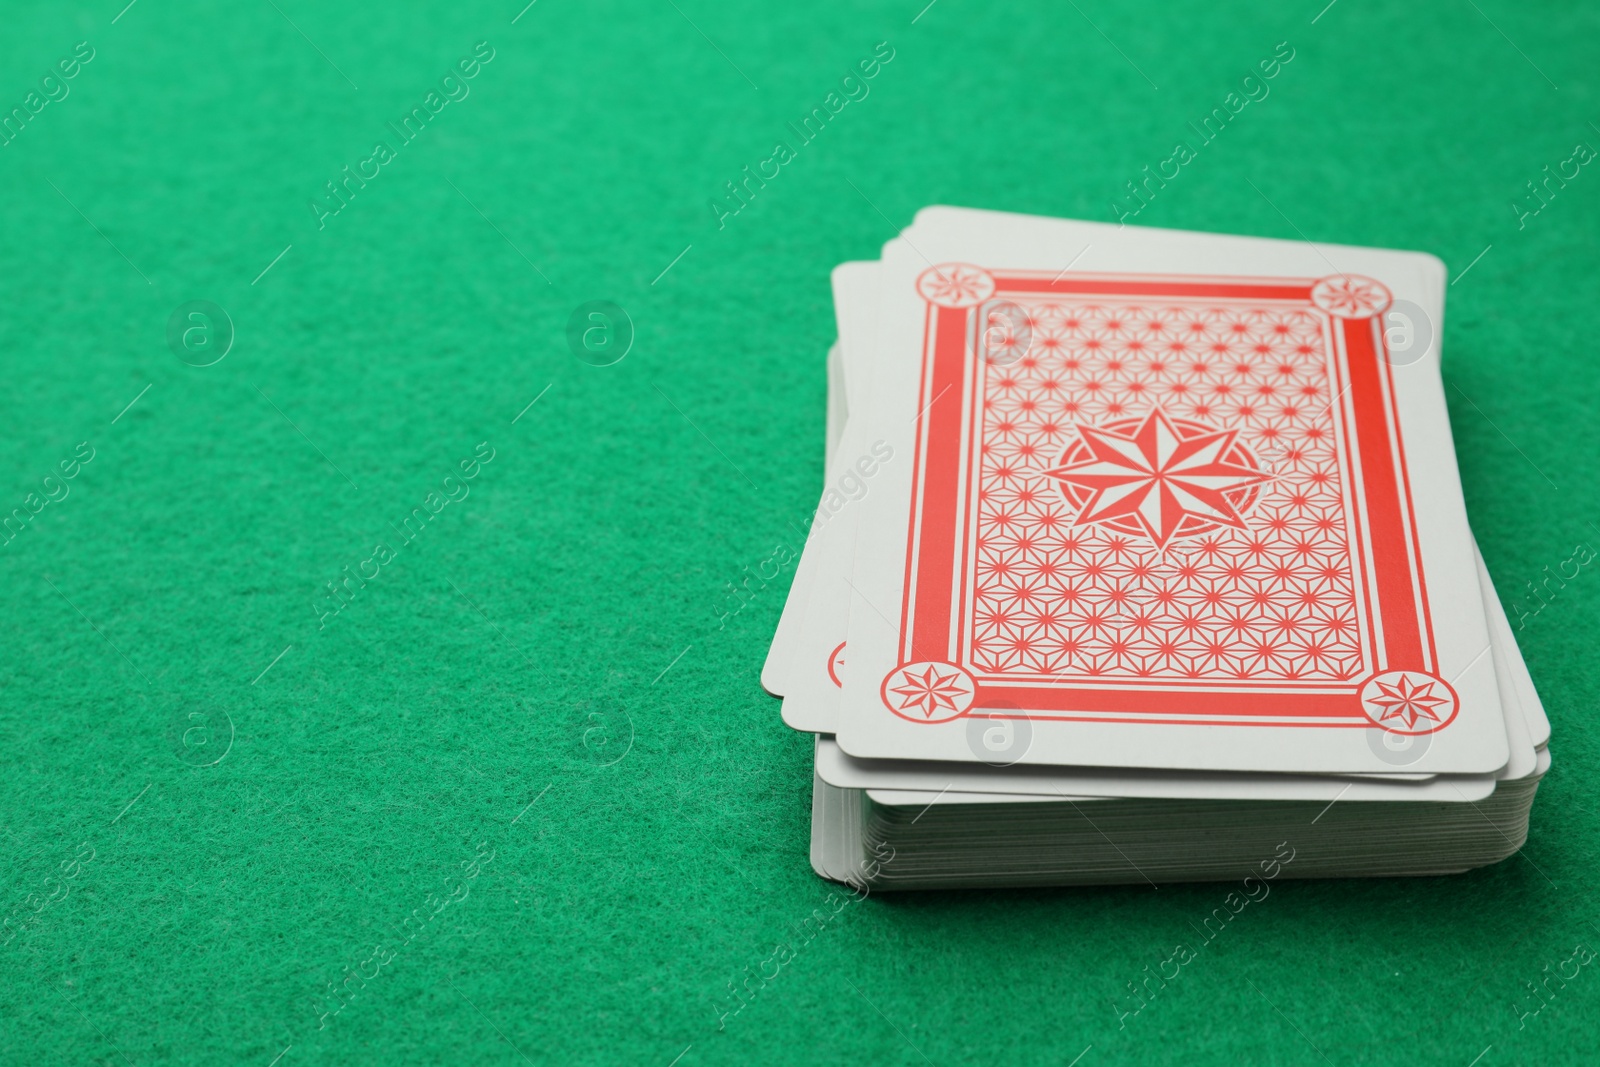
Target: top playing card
x=1175, y=519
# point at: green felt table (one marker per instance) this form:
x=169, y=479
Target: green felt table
x=517, y=796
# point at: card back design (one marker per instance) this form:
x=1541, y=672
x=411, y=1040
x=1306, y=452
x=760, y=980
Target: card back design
x=1162, y=499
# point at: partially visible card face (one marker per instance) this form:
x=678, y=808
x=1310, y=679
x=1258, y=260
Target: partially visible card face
x=811, y=682
x=843, y=772
x=1168, y=481
x=854, y=298
x=1176, y=519
x=1518, y=700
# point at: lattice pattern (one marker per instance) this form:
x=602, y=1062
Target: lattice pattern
x=1275, y=601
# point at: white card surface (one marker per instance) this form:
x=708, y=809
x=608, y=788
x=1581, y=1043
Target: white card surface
x=855, y=304
x=1167, y=264
x=840, y=770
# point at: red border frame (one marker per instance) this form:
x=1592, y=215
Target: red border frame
x=1374, y=461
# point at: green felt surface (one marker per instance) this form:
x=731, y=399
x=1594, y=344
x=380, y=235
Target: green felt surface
x=372, y=813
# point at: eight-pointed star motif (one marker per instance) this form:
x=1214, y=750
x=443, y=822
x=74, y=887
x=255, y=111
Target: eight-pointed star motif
x=955, y=285
x=1406, y=700
x=1350, y=296
x=932, y=691
x=1157, y=476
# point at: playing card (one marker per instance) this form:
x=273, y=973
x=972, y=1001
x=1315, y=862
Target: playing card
x=811, y=694
x=1500, y=628
x=844, y=772
x=838, y=411
x=840, y=770
x=854, y=296
x=1394, y=822
x=1171, y=507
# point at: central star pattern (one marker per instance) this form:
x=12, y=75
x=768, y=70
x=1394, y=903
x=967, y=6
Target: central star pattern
x=1279, y=601
x=1164, y=477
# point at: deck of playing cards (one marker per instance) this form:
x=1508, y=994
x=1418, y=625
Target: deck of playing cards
x=1142, y=557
